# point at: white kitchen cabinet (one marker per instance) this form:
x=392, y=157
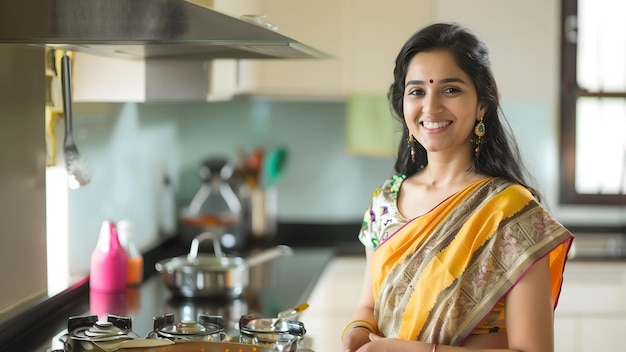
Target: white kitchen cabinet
x=111, y=79
x=101, y=78
x=602, y=333
x=362, y=37
x=565, y=328
x=591, y=314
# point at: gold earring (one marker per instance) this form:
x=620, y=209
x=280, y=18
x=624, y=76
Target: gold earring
x=410, y=142
x=479, y=131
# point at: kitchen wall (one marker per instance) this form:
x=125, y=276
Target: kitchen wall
x=129, y=146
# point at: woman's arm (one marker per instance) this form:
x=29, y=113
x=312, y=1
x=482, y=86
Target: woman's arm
x=529, y=311
x=355, y=337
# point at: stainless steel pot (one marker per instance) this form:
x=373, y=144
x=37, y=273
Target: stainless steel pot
x=203, y=275
x=274, y=333
x=231, y=309
x=204, y=328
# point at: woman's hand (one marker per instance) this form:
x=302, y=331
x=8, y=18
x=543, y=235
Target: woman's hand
x=355, y=338
x=383, y=344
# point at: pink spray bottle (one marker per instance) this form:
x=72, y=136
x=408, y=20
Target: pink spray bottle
x=109, y=262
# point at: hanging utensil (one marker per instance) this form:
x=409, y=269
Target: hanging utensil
x=77, y=172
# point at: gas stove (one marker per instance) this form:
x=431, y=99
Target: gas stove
x=276, y=286
x=205, y=334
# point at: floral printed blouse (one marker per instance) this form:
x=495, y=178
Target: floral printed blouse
x=382, y=217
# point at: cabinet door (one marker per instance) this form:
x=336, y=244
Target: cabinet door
x=377, y=32
x=591, y=314
x=593, y=288
x=565, y=337
x=319, y=24
x=107, y=79
x=602, y=333
x=235, y=8
x=363, y=38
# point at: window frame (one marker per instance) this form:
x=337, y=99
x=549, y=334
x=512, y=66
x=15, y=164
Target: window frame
x=569, y=93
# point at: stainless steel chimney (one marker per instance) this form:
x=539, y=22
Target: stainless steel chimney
x=143, y=29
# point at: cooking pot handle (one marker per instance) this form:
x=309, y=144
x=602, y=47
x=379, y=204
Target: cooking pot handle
x=195, y=244
x=269, y=254
x=296, y=328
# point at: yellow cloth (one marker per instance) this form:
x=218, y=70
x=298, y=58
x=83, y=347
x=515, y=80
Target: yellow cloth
x=441, y=274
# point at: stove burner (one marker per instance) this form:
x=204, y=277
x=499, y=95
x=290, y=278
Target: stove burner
x=101, y=330
x=87, y=334
x=120, y=322
x=206, y=328
x=88, y=328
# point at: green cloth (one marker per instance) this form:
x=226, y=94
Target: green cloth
x=370, y=128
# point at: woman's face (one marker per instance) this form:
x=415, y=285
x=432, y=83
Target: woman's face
x=440, y=103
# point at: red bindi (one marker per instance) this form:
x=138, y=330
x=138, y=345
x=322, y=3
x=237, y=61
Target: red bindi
x=431, y=81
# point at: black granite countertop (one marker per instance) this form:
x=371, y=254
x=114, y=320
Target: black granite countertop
x=274, y=286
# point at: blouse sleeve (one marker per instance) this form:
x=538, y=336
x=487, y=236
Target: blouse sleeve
x=382, y=216
x=367, y=235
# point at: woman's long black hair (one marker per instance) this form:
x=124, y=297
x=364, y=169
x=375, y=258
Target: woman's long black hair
x=499, y=156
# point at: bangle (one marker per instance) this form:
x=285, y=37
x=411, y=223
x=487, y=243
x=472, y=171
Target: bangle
x=435, y=347
x=358, y=324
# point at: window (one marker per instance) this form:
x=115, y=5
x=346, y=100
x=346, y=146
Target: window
x=593, y=102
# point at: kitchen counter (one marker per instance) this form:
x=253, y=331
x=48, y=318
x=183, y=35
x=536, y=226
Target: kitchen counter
x=277, y=285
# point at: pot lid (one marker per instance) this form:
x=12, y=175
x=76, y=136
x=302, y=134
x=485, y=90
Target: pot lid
x=205, y=325
x=189, y=328
x=204, y=262
x=272, y=325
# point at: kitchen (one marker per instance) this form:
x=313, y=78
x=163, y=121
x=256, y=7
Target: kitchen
x=129, y=145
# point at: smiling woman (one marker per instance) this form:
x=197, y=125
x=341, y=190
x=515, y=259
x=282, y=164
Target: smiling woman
x=440, y=102
x=461, y=255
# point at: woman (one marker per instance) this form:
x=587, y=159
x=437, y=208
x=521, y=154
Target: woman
x=460, y=254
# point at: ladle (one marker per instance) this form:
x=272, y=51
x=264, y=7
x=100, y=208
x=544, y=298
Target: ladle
x=77, y=172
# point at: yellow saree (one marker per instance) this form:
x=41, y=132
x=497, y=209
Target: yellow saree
x=436, y=278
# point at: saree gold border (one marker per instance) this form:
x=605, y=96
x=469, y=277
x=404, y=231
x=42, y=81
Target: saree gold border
x=458, y=219
x=511, y=272
x=448, y=265
x=549, y=237
x=390, y=257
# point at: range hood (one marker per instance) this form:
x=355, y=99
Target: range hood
x=144, y=29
